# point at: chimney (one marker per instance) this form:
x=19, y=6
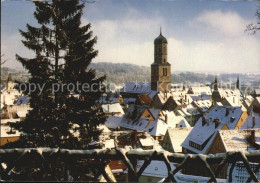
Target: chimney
x=185, y=97
x=216, y=121
x=234, y=100
x=135, y=136
x=203, y=120
x=108, y=108
x=166, y=118
x=253, y=121
x=252, y=137
x=227, y=112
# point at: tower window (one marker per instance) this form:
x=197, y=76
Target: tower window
x=165, y=71
x=163, y=60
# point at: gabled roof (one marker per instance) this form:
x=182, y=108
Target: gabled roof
x=257, y=101
x=136, y=87
x=163, y=97
x=199, y=97
x=160, y=125
x=229, y=92
x=134, y=112
x=250, y=122
x=200, y=90
x=113, y=121
x=257, y=91
x=203, y=105
x=203, y=135
x=155, y=169
x=236, y=140
x=177, y=136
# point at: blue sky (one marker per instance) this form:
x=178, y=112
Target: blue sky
x=203, y=36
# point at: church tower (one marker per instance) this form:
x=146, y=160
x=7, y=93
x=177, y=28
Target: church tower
x=160, y=69
x=10, y=83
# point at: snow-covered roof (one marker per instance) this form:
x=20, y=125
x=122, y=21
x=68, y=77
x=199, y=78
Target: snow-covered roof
x=203, y=135
x=163, y=120
x=155, y=169
x=203, y=105
x=7, y=132
x=201, y=90
x=103, y=128
x=22, y=100
x=251, y=122
x=249, y=100
x=113, y=108
x=109, y=144
x=136, y=87
x=22, y=113
x=113, y=121
x=257, y=91
x=5, y=121
x=158, y=169
x=115, y=139
x=199, y=97
x=160, y=126
x=129, y=100
x=134, y=112
x=177, y=136
x=104, y=100
x=236, y=140
x=189, y=110
x=182, y=122
x=229, y=92
x=163, y=97
x=138, y=124
x=152, y=93
x=147, y=141
x=257, y=99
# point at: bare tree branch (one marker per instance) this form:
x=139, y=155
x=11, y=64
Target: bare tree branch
x=253, y=28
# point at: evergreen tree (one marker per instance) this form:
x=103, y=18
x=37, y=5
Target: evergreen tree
x=60, y=105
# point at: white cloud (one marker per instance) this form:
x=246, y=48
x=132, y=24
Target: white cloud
x=221, y=44
x=127, y=39
x=228, y=23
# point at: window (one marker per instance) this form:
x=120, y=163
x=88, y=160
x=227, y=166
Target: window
x=165, y=71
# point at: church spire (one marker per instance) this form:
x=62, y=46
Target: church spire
x=237, y=84
x=216, y=84
x=160, y=30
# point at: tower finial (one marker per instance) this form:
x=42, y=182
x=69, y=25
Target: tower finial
x=160, y=30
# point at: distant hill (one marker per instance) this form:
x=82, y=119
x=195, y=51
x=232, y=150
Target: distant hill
x=119, y=73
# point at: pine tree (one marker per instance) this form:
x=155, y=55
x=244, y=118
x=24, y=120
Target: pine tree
x=63, y=51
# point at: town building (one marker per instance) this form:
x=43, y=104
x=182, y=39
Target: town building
x=161, y=68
